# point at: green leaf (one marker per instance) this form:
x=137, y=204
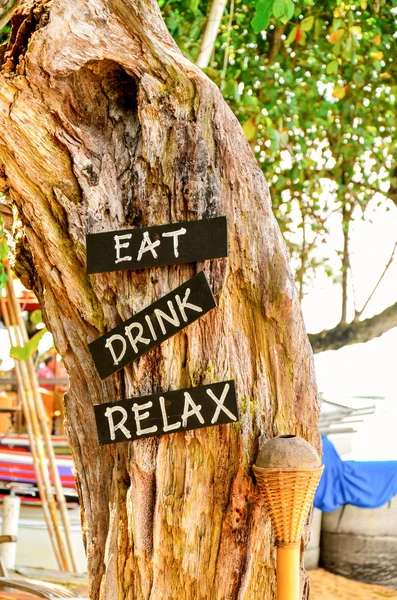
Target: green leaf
x=249, y=129
x=230, y=89
x=36, y=317
x=262, y=15
x=335, y=36
x=283, y=10
x=356, y=31
x=3, y=279
x=339, y=92
x=289, y=11
x=284, y=138
x=302, y=41
x=3, y=249
x=348, y=49
x=294, y=173
x=332, y=67
x=307, y=23
x=318, y=28
x=275, y=140
x=26, y=351
x=278, y=8
x=291, y=36
x=337, y=47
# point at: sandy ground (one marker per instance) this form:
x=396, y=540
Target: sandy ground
x=326, y=586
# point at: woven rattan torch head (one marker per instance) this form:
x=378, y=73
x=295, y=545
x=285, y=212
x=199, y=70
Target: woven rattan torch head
x=288, y=471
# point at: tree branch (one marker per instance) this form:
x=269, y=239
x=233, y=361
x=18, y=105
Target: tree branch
x=346, y=216
x=357, y=332
x=275, y=43
x=360, y=312
x=229, y=29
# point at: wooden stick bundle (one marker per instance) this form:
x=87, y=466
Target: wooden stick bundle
x=37, y=418
x=32, y=440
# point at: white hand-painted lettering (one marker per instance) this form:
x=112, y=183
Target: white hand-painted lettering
x=138, y=338
x=175, y=235
x=118, y=246
x=161, y=316
x=220, y=405
x=141, y=417
x=147, y=246
x=183, y=304
x=120, y=425
x=167, y=427
x=190, y=408
x=150, y=325
x=109, y=344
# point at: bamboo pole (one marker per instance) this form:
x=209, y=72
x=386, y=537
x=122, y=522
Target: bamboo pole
x=32, y=441
x=210, y=33
x=60, y=496
x=28, y=380
x=288, y=573
x=9, y=527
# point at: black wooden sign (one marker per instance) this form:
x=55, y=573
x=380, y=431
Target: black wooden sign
x=171, y=244
x=153, y=325
x=168, y=412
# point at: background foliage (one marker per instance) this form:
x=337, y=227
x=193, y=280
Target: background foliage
x=314, y=86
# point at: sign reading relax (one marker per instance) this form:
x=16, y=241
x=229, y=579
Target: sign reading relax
x=168, y=412
x=170, y=244
x=153, y=325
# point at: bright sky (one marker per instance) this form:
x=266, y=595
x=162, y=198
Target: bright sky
x=362, y=369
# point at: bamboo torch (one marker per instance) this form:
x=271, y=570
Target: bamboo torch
x=288, y=471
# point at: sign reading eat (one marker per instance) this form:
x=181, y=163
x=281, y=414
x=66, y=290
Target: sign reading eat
x=179, y=410
x=171, y=244
x=153, y=325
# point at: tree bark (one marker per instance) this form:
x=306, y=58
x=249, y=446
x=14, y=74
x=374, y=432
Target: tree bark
x=275, y=42
x=104, y=124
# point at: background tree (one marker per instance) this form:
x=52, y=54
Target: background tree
x=314, y=85
x=104, y=124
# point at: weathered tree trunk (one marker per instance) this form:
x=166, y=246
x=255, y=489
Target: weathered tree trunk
x=104, y=124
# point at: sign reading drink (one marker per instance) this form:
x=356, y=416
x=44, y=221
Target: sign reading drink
x=153, y=325
x=169, y=412
x=171, y=244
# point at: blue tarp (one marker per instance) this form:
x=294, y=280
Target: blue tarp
x=363, y=484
